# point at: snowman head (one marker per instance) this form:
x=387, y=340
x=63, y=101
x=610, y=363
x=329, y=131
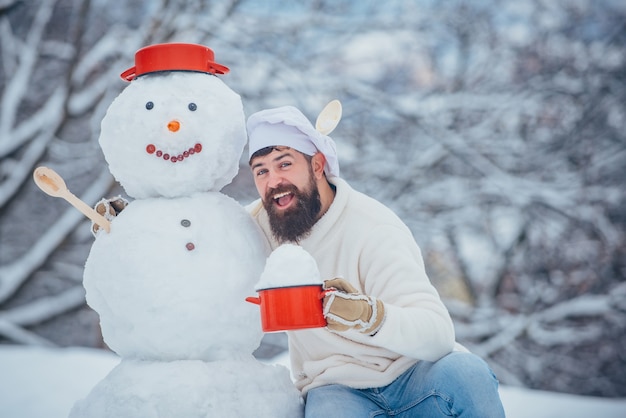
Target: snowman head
x=174, y=132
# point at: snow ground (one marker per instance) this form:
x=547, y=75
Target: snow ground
x=43, y=382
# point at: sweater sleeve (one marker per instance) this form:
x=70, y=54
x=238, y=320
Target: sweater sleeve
x=391, y=268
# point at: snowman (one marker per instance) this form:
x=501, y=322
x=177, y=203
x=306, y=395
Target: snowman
x=170, y=278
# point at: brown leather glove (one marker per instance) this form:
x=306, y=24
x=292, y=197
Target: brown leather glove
x=109, y=208
x=345, y=308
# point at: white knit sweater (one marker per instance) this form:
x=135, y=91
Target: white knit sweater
x=364, y=242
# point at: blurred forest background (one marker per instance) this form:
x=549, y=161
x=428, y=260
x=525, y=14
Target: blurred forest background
x=495, y=129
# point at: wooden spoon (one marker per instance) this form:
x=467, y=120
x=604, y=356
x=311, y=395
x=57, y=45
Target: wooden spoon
x=328, y=118
x=52, y=183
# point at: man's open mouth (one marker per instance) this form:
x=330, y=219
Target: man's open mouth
x=283, y=199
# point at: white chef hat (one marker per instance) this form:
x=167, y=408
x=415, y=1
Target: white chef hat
x=287, y=126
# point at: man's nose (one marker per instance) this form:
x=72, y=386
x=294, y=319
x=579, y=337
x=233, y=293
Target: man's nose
x=274, y=180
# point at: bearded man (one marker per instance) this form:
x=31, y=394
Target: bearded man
x=389, y=347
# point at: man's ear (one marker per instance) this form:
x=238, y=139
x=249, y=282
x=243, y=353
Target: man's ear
x=318, y=162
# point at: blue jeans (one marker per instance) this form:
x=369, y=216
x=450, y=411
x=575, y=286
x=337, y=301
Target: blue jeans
x=458, y=385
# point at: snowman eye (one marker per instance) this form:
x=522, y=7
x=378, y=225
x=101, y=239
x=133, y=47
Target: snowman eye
x=192, y=107
x=149, y=105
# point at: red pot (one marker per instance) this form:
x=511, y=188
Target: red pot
x=174, y=57
x=290, y=308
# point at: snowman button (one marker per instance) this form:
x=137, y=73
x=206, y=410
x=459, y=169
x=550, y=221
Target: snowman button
x=190, y=246
x=185, y=222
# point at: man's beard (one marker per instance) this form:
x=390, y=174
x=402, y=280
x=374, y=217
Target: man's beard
x=295, y=223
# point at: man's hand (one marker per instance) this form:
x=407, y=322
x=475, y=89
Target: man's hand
x=109, y=208
x=345, y=308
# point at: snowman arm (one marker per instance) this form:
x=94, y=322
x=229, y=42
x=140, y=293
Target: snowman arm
x=109, y=208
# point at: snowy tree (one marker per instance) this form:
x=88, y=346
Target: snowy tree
x=495, y=129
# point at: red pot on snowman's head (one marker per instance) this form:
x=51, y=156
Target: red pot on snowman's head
x=173, y=57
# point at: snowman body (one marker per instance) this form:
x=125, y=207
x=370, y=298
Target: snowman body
x=183, y=276
x=169, y=280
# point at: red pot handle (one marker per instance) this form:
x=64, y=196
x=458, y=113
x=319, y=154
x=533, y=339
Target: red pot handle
x=129, y=74
x=251, y=299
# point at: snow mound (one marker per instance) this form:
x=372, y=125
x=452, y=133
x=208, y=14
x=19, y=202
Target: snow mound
x=41, y=382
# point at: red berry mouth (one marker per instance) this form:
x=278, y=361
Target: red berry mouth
x=152, y=149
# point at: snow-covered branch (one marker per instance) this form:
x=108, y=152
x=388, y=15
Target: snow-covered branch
x=22, y=336
x=18, y=85
x=45, y=308
x=19, y=171
x=550, y=327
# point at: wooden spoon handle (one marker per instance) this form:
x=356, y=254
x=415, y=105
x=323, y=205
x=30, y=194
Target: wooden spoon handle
x=87, y=210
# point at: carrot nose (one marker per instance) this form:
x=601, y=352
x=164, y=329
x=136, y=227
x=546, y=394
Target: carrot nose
x=173, y=125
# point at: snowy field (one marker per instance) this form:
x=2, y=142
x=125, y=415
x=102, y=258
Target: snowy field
x=37, y=382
